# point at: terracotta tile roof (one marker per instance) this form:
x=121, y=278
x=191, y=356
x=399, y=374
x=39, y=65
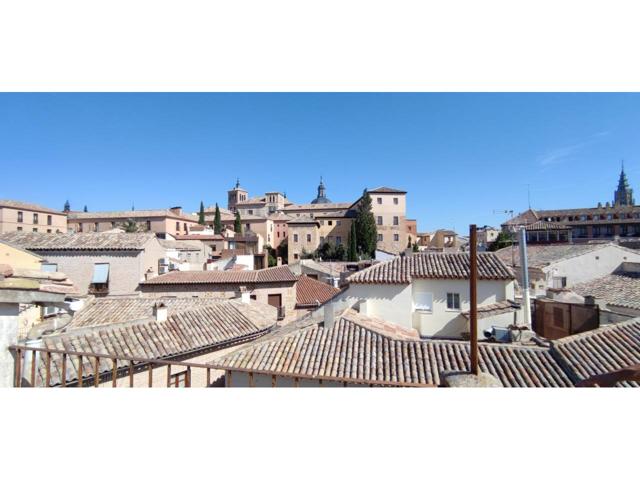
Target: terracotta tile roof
x=35, y=280
x=28, y=206
x=383, y=327
x=199, y=237
x=310, y=292
x=317, y=206
x=107, y=311
x=542, y=225
x=540, y=256
x=267, y=275
x=600, y=351
x=350, y=351
x=175, y=245
x=78, y=241
x=402, y=269
x=126, y=214
x=183, y=333
x=386, y=190
x=618, y=289
x=498, y=308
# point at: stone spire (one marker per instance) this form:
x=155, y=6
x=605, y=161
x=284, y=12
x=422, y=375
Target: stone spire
x=624, y=194
x=322, y=194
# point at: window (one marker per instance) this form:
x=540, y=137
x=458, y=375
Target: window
x=559, y=282
x=380, y=237
x=177, y=226
x=113, y=224
x=148, y=225
x=35, y=229
x=248, y=226
x=338, y=222
x=379, y=220
x=48, y=230
x=19, y=229
x=453, y=301
x=330, y=222
x=100, y=279
x=379, y=200
x=396, y=221
x=19, y=217
x=296, y=256
x=395, y=200
x=250, y=212
x=338, y=240
x=396, y=237
x=49, y=220
x=96, y=225
x=308, y=238
x=423, y=301
x=35, y=218
x=295, y=237
x=80, y=227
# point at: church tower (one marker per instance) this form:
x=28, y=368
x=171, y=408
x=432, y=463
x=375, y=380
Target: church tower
x=322, y=194
x=624, y=194
x=235, y=195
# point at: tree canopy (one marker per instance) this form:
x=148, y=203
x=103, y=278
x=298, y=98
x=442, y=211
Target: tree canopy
x=201, y=214
x=366, y=231
x=237, y=224
x=217, y=221
x=502, y=240
x=352, y=252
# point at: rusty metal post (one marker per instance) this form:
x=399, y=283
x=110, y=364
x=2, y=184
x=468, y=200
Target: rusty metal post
x=48, y=371
x=150, y=374
x=168, y=376
x=64, y=369
x=473, y=297
x=18, y=379
x=114, y=374
x=130, y=373
x=33, y=368
x=80, y=371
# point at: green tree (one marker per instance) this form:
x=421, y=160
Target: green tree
x=502, y=240
x=271, y=255
x=130, y=226
x=283, y=251
x=85, y=209
x=366, y=231
x=415, y=247
x=352, y=252
x=237, y=224
x=217, y=221
x=201, y=214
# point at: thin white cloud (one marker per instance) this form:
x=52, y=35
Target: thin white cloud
x=558, y=155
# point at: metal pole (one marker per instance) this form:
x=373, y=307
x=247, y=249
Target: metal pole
x=524, y=267
x=473, y=297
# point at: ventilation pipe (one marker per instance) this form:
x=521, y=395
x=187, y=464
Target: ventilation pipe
x=524, y=267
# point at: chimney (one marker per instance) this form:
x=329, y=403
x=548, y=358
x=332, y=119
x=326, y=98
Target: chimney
x=150, y=273
x=279, y=262
x=329, y=315
x=160, y=312
x=176, y=210
x=245, y=296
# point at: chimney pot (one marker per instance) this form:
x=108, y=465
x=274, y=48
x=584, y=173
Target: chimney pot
x=160, y=312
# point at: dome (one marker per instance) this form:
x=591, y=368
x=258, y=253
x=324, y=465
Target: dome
x=322, y=197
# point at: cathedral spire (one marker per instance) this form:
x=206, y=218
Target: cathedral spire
x=624, y=194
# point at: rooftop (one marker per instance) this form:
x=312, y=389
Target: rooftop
x=386, y=190
x=311, y=293
x=212, y=326
x=352, y=352
x=26, y=280
x=403, y=269
x=125, y=214
x=28, y=206
x=542, y=225
x=78, y=241
x=267, y=275
x=600, y=351
x=498, y=308
x=318, y=206
x=539, y=256
x=621, y=289
x=176, y=245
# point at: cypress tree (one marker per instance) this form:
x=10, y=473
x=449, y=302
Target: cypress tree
x=201, y=214
x=237, y=224
x=352, y=253
x=366, y=231
x=217, y=221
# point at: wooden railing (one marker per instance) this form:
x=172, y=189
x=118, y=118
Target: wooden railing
x=99, y=369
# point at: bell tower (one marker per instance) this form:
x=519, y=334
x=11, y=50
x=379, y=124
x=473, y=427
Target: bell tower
x=235, y=195
x=624, y=194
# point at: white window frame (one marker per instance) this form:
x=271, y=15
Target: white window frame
x=454, y=295
x=423, y=302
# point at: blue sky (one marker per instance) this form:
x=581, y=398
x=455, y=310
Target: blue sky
x=460, y=156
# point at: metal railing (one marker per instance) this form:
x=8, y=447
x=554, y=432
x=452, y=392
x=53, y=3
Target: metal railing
x=37, y=367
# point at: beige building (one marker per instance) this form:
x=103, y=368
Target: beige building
x=97, y=263
x=28, y=217
x=389, y=207
x=274, y=286
x=170, y=221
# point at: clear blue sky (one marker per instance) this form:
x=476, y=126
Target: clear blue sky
x=460, y=156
